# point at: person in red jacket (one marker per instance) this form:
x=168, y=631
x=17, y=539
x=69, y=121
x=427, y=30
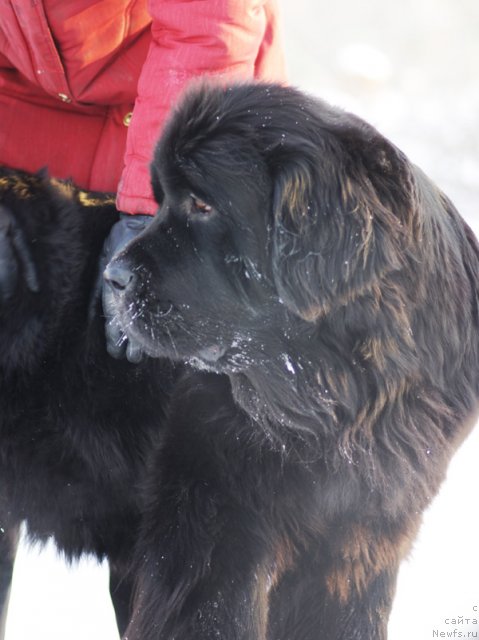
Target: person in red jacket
x=86, y=85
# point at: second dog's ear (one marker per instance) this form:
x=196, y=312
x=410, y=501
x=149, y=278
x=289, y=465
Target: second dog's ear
x=158, y=192
x=341, y=209
x=16, y=262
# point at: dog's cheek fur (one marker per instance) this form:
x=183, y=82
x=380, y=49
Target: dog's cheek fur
x=341, y=223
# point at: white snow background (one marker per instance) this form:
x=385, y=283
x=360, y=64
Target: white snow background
x=412, y=69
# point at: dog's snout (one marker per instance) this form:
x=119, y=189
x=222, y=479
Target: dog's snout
x=119, y=275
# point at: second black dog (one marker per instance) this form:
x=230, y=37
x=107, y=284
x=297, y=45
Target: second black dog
x=76, y=426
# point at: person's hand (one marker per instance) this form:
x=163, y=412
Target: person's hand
x=16, y=262
x=127, y=228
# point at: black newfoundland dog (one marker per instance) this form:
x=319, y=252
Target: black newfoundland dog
x=76, y=426
x=326, y=294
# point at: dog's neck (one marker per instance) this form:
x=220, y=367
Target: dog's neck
x=288, y=397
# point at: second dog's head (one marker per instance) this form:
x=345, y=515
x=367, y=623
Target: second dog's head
x=274, y=209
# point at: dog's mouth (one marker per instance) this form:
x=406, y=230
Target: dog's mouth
x=162, y=341
x=164, y=332
x=164, y=328
x=183, y=330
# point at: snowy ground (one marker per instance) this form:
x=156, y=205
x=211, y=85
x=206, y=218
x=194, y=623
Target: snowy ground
x=410, y=68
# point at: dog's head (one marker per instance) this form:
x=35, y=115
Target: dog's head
x=50, y=237
x=274, y=209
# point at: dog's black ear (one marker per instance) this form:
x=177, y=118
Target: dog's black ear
x=343, y=205
x=158, y=192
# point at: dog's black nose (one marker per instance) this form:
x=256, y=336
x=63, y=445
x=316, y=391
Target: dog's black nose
x=118, y=275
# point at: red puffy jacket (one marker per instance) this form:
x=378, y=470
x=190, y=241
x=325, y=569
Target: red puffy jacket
x=72, y=73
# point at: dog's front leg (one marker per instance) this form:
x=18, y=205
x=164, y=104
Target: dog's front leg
x=342, y=587
x=202, y=574
x=121, y=592
x=209, y=540
x=304, y=607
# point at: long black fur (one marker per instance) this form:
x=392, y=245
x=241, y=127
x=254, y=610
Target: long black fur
x=327, y=294
x=76, y=426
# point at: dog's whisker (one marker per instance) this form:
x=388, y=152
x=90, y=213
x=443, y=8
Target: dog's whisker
x=173, y=344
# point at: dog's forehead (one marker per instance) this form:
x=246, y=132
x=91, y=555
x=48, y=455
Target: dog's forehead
x=232, y=114
x=223, y=164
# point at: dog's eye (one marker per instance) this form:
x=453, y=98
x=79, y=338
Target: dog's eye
x=199, y=206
